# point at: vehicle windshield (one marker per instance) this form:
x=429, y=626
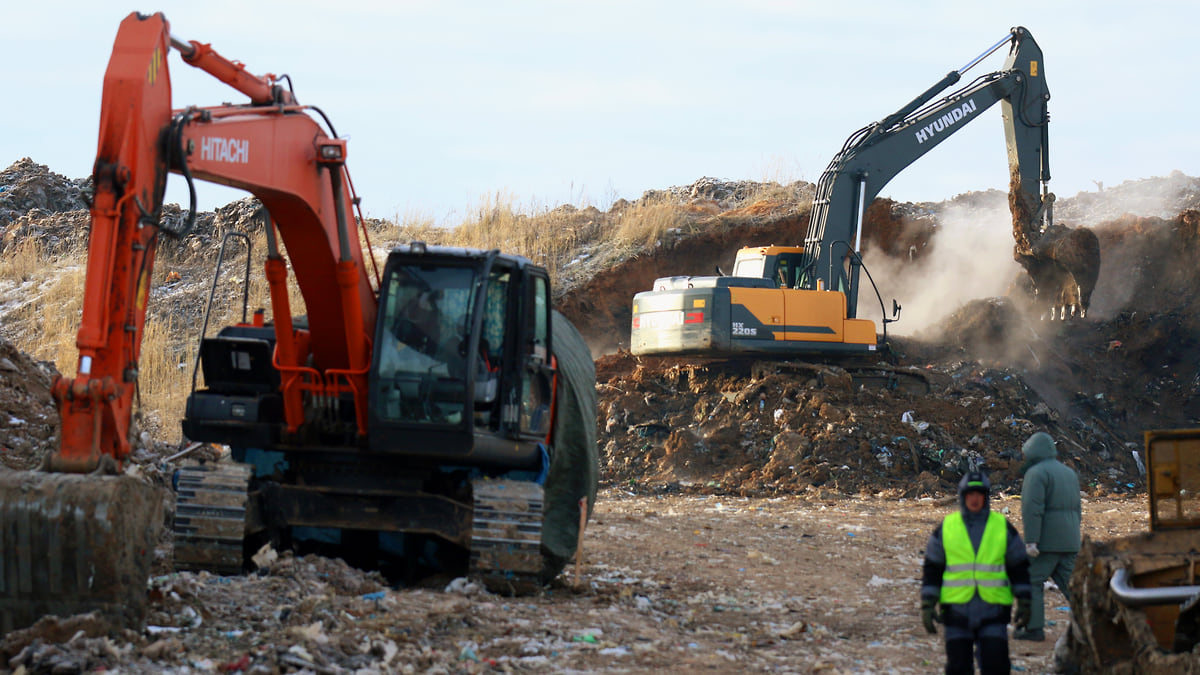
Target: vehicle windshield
x=422, y=364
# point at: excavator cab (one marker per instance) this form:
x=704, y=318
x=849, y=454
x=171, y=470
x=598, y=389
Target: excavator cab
x=462, y=354
x=781, y=264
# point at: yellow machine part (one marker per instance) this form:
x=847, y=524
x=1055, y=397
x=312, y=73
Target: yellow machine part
x=812, y=316
x=1133, y=598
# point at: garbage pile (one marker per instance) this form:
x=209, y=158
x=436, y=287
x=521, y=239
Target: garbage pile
x=29, y=423
x=995, y=373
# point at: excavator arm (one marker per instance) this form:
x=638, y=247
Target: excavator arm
x=873, y=155
x=270, y=147
x=78, y=538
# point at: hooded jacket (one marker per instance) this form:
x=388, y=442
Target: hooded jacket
x=977, y=611
x=1050, y=505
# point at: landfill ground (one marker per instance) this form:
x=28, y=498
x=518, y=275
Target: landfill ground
x=808, y=583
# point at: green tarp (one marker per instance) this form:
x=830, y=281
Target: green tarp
x=574, y=458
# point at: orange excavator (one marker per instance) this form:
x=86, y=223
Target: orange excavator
x=441, y=401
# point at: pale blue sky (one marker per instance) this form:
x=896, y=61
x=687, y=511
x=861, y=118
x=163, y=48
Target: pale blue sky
x=582, y=102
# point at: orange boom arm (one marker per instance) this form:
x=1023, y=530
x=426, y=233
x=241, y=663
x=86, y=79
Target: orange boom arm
x=271, y=148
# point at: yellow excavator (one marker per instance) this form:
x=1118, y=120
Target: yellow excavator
x=1135, y=601
x=804, y=299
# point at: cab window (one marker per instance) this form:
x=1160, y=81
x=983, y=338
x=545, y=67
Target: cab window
x=537, y=387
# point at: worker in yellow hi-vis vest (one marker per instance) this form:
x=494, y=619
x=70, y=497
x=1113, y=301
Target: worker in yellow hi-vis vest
x=975, y=566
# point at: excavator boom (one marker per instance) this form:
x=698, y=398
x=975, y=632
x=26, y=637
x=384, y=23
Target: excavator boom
x=269, y=147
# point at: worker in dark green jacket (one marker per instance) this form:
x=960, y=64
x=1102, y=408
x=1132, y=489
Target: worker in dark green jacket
x=1051, y=514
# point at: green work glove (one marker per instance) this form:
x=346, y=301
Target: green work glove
x=1024, y=612
x=928, y=607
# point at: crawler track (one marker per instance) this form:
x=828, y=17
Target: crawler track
x=506, y=536
x=210, y=517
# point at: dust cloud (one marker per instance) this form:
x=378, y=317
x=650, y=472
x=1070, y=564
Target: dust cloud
x=969, y=258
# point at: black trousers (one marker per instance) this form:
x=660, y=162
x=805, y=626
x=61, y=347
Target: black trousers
x=988, y=645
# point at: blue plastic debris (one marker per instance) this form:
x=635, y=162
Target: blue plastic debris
x=377, y=595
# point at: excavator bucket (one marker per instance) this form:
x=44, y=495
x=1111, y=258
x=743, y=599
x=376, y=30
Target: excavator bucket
x=1063, y=262
x=75, y=543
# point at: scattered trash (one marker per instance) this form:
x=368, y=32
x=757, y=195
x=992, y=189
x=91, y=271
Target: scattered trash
x=1141, y=467
x=615, y=651
x=264, y=557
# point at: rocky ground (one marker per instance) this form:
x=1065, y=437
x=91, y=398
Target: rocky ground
x=811, y=583
x=754, y=517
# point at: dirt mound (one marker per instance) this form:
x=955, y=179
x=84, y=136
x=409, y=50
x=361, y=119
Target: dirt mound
x=1158, y=197
x=26, y=187
x=995, y=372
x=28, y=418
x=796, y=427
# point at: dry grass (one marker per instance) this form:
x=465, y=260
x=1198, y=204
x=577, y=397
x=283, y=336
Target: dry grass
x=550, y=237
x=165, y=372
x=23, y=261
x=646, y=224
x=51, y=316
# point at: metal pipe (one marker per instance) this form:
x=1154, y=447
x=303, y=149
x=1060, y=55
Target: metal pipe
x=183, y=453
x=339, y=203
x=182, y=46
x=212, y=293
x=862, y=207
x=973, y=62
x=1142, y=597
